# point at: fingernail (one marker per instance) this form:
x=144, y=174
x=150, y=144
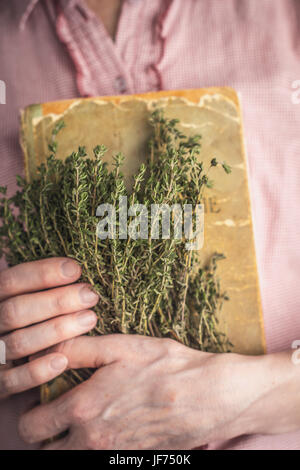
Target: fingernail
x=86, y=318
x=59, y=363
x=69, y=268
x=87, y=295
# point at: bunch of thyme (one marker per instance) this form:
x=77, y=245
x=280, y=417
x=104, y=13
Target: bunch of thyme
x=146, y=286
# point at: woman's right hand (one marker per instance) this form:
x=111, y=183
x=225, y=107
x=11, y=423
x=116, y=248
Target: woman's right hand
x=36, y=312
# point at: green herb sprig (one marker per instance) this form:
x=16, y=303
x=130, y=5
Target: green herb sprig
x=150, y=287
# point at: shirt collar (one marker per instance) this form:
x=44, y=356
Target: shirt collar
x=29, y=5
x=25, y=11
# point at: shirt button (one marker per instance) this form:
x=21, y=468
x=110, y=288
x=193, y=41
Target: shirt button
x=120, y=84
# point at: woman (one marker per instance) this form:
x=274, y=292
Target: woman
x=60, y=49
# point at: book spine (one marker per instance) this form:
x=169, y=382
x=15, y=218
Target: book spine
x=27, y=139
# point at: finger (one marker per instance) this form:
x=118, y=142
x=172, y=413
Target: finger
x=51, y=419
x=97, y=351
x=33, y=374
x=27, y=309
x=38, y=275
x=22, y=343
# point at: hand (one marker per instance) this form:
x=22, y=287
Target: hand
x=151, y=393
x=33, y=319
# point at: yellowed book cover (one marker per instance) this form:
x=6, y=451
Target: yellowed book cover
x=121, y=124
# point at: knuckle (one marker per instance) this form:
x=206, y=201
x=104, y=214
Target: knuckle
x=168, y=342
x=34, y=374
x=59, y=303
x=8, y=316
x=80, y=411
x=16, y=344
x=7, y=383
x=93, y=440
x=7, y=281
x=49, y=271
x=44, y=273
x=60, y=328
x=24, y=429
x=169, y=345
x=64, y=347
x=97, y=439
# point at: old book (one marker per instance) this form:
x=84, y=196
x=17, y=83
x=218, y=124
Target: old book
x=121, y=123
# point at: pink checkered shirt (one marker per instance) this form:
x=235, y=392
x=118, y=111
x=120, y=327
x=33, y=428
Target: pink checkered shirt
x=51, y=50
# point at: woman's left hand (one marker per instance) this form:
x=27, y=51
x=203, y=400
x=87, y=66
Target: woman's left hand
x=152, y=393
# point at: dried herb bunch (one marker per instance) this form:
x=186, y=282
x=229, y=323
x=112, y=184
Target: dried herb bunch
x=146, y=286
